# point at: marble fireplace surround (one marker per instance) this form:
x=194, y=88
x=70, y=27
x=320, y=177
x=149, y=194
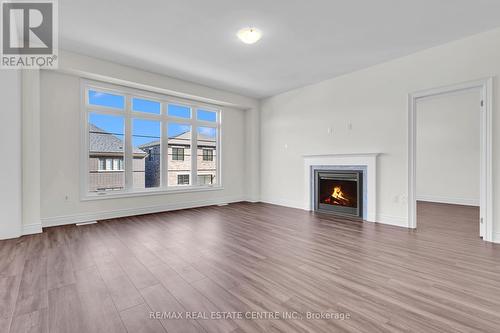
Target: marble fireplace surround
x=367, y=163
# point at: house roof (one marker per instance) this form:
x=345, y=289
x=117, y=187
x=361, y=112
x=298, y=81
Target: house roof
x=183, y=139
x=101, y=141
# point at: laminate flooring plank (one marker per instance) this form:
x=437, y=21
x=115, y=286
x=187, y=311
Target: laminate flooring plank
x=137, y=320
x=161, y=301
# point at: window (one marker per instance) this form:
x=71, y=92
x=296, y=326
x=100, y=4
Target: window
x=179, y=143
x=182, y=179
x=146, y=138
x=110, y=164
x=207, y=144
x=105, y=143
x=179, y=111
x=102, y=164
x=205, y=179
x=206, y=115
x=144, y=105
x=140, y=141
x=177, y=154
x=100, y=98
x=208, y=155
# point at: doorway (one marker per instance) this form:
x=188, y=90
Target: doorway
x=435, y=177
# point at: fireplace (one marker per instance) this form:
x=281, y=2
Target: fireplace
x=339, y=192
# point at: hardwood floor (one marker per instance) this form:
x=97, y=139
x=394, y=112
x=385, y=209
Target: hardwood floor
x=253, y=259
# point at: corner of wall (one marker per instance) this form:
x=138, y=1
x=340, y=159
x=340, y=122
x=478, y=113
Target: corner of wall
x=10, y=171
x=252, y=156
x=30, y=229
x=31, y=152
x=398, y=221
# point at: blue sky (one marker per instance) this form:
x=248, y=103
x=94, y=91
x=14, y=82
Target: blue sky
x=108, y=123
x=179, y=111
x=105, y=99
x=144, y=105
x=145, y=131
x=207, y=131
x=206, y=115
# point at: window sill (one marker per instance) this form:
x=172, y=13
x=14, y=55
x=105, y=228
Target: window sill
x=182, y=189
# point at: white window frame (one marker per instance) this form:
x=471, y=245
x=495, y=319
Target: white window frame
x=164, y=119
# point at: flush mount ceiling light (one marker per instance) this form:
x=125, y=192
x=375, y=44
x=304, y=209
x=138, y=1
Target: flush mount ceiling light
x=249, y=35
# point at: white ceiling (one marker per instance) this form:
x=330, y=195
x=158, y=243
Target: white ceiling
x=303, y=41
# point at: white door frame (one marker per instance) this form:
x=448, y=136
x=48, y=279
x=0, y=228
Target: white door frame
x=485, y=86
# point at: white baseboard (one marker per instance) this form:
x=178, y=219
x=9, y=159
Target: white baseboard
x=284, y=203
x=85, y=223
x=253, y=199
x=31, y=229
x=449, y=200
x=86, y=217
x=10, y=234
x=398, y=221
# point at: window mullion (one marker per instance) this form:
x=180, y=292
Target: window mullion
x=194, y=153
x=129, y=159
x=218, y=155
x=164, y=148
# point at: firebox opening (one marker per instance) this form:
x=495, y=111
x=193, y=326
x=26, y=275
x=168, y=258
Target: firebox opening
x=339, y=192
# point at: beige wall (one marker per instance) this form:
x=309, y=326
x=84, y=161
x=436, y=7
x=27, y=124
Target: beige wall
x=367, y=111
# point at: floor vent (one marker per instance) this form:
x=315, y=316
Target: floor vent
x=85, y=223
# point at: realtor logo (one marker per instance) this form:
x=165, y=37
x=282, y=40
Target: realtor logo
x=29, y=34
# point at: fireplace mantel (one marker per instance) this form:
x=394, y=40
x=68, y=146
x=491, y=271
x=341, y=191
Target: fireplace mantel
x=342, y=155
x=367, y=161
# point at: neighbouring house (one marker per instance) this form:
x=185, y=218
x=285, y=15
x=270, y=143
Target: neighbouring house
x=179, y=160
x=106, y=171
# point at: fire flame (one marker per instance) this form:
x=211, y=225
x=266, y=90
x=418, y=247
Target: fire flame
x=338, y=194
x=337, y=197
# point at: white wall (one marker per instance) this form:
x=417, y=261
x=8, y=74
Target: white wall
x=10, y=150
x=375, y=102
x=448, y=148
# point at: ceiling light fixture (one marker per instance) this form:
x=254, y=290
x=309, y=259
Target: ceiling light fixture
x=249, y=35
